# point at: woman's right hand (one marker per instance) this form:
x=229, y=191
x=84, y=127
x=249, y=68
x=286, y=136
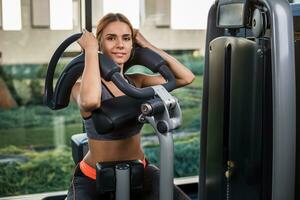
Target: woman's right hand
x=88, y=41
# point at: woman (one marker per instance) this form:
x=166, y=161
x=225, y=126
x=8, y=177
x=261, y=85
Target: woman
x=115, y=38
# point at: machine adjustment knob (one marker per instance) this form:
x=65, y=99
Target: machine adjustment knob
x=146, y=108
x=228, y=174
x=162, y=126
x=230, y=167
x=142, y=119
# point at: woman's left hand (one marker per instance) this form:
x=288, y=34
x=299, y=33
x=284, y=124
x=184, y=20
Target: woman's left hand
x=182, y=74
x=141, y=40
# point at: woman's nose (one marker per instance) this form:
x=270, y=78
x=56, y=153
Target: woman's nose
x=120, y=43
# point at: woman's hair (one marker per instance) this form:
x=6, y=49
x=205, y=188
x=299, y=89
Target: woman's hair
x=107, y=19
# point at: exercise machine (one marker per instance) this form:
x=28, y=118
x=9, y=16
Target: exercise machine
x=248, y=133
x=153, y=105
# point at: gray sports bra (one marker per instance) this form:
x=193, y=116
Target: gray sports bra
x=90, y=127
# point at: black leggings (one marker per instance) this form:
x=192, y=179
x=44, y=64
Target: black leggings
x=84, y=188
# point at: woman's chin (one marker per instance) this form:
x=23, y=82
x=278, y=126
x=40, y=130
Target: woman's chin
x=120, y=61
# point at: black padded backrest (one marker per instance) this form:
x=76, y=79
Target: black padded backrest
x=80, y=147
x=214, y=33
x=117, y=114
x=142, y=56
x=66, y=81
x=234, y=116
x=72, y=72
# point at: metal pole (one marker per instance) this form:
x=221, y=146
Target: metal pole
x=88, y=15
x=122, y=181
x=166, y=166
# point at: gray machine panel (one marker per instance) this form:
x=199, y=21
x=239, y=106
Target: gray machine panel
x=234, y=131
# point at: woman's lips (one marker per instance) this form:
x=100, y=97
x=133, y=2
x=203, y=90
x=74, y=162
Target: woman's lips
x=119, y=54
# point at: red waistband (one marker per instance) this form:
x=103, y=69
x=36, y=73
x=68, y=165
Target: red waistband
x=91, y=172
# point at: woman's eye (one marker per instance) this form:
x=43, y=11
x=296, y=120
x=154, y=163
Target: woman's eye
x=110, y=38
x=127, y=38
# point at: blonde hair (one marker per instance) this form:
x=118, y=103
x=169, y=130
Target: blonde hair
x=109, y=18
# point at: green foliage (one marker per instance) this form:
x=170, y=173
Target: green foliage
x=194, y=61
x=33, y=125
x=36, y=92
x=22, y=71
x=31, y=71
x=38, y=138
x=26, y=81
x=52, y=170
x=186, y=160
x=46, y=171
x=37, y=116
x=40, y=116
x=11, y=150
x=191, y=120
x=41, y=73
x=9, y=83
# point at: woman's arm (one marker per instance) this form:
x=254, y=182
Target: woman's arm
x=182, y=74
x=87, y=91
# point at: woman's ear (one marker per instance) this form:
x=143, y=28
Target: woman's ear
x=100, y=47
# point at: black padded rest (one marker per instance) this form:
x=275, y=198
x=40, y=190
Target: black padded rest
x=118, y=114
x=107, y=178
x=79, y=144
x=59, y=98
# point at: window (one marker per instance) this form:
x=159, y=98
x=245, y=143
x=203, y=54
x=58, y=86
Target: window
x=131, y=9
x=39, y=135
x=96, y=11
x=40, y=14
x=61, y=14
x=76, y=13
x=189, y=14
x=11, y=15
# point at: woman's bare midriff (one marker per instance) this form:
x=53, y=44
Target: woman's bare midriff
x=114, y=150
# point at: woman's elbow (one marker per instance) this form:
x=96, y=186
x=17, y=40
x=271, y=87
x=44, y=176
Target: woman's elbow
x=89, y=105
x=186, y=81
x=190, y=78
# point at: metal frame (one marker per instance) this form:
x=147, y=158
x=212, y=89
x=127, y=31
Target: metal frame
x=86, y=11
x=166, y=141
x=284, y=99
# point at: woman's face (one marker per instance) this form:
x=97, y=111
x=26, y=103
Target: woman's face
x=116, y=42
